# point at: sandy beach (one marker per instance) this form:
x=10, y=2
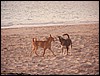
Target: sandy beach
x=83, y=58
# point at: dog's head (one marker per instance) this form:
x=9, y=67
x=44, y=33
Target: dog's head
x=51, y=38
x=59, y=37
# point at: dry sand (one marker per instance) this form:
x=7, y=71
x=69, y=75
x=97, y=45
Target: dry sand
x=83, y=58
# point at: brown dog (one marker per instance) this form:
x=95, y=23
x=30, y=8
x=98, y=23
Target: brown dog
x=43, y=44
x=65, y=42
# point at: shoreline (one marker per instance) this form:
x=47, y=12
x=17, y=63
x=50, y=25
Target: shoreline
x=44, y=25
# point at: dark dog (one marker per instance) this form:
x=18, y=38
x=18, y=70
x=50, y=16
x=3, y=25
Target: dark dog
x=65, y=42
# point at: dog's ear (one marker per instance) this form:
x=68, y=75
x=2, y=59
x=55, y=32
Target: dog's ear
x=58, y=36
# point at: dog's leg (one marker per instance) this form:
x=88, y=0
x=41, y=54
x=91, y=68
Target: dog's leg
x=44, y=52
x=67, y=50
x=71, y=44
x=52, y=52
x=62, y=48
x=32, y=52
x=36, y=50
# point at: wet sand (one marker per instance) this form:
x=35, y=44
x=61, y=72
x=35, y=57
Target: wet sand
x=83, y=58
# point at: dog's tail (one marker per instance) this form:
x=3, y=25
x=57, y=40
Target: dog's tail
x=66, y=34
x=34, y=39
